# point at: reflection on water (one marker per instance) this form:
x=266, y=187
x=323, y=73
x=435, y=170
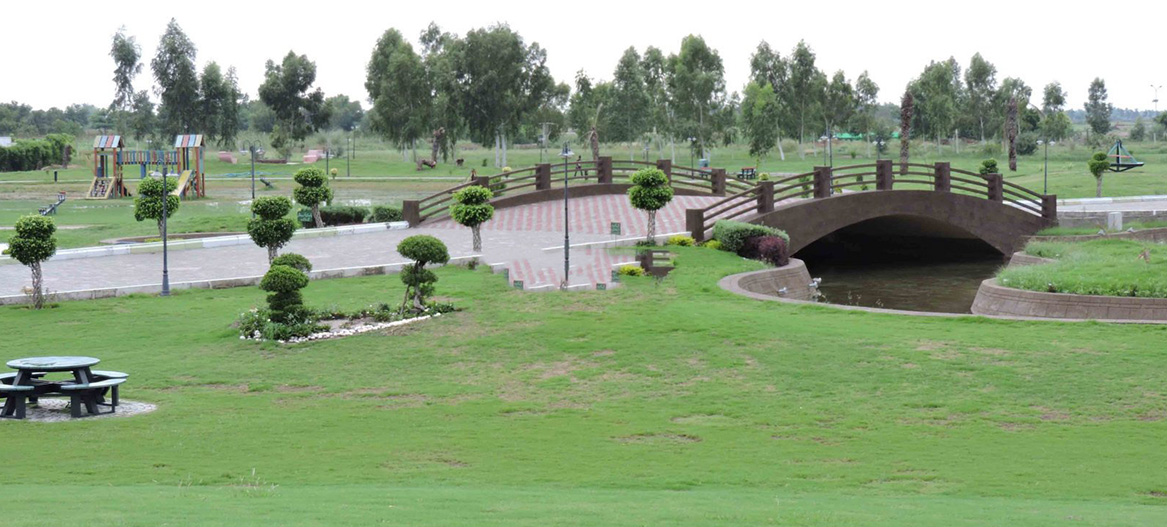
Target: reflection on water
x=947, y=287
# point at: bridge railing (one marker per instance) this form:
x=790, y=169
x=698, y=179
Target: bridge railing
x=547, y=176
x=825, y=181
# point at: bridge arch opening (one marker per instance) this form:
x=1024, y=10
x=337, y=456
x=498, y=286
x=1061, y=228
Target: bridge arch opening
x=901, y=262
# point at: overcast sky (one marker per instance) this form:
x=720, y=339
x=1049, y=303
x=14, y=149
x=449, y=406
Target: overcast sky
x=57, y=53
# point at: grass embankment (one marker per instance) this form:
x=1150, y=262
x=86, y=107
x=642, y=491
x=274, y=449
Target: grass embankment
x=1096, y=267
x=1086, y=231
x=650, y=404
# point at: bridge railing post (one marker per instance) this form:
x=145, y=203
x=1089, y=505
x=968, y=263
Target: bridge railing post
x=604, y=171
x=884, y=174
x=695, y=223
x=411, y=212
x=666, y=166
x=1049, y=208
x=482, y=181
x=822, y=182
x=765, y=197
x=543, y=176
x=718, y=177
x=943, y=176
x=996, y=187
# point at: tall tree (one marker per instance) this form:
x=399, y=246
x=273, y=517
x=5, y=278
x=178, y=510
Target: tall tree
x=176, y=81
x=696, y=83
x=838, y=106
x=768, y=68
x=586, y=105
x=229, y=121
x=801, y=94
x=127, y=64
x=213, y=94
x=935, y=95
x=285, y=90
x=630, y=102
x=760, y=116
x=1055, y=124
x=907, y=107
x=866, y=102
x=346, y=114
x=502, y=79
x=1053, y=98
x=1097, y=109
x=437, y=52
x=397, y=85
x=655, y=66
x=981, y=85
x=142, y=122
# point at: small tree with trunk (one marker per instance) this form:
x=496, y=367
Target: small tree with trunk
x=905, y=130
x=33, y=244
x=472, y=208
x=148, y=203
x=271, y=228
x=1098, y=164
x=650, y=192
x=419, y=281
x=313, y=191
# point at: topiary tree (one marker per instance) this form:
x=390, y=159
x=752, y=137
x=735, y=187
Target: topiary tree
x=285, y=301
x=148, y=203
x=650, y=192
x=313, y=191
x=294, y=261
x=472, y=208
x=33, y=244
x=1098, y=164
x=419, y=281
x=988, y=166
x=271, y=228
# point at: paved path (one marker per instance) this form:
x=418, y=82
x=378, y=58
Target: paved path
x=516, y=237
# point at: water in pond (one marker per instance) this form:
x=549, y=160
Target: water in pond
x=912, y=285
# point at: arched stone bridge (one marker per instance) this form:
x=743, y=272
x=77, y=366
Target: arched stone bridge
x=908, y=199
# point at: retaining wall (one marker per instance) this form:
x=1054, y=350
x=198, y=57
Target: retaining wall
x=767, y=284
x=996, y=300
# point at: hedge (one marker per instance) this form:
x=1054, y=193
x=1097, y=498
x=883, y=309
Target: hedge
x=383, y=214
x=733, y=234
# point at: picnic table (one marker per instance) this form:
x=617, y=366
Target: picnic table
x=87, y=389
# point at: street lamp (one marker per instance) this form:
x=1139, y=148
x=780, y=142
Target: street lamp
x=251, y=149
x=1154, y=136
x=566, y=153
x=165, y=256
x=348, y=170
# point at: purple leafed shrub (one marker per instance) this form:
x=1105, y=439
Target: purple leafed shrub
x=770, y=249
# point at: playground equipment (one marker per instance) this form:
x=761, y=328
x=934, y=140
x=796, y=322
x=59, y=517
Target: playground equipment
x=109, y=158
x=51, y=209
x=1120, y=159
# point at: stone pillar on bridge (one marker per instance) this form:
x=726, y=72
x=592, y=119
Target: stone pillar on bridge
x=884, y=174
x=822, y=182
x=411, y=212
x=1049, y=208
x=996, y=187
x=482, y=181
x=765, y=197
x=666, y=166
x=604, y=171
x=943, y=176
x=718, y=182
x=695, y=223
x=543, y=176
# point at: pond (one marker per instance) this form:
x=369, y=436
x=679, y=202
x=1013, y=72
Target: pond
x=911, y=285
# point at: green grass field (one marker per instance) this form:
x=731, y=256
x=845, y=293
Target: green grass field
x=1096, y=267
x=670, y=404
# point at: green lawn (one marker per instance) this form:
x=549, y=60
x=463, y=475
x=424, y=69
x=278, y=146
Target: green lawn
x=1096, y=267
x=670, y=404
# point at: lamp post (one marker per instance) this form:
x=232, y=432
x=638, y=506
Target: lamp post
x=566, y=153
x=1154, y=136
x=165, y=256
x=348, y=170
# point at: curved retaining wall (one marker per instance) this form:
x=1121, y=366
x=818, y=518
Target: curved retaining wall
x=1158, y=235
x=765, y=284
x=1020, y=258
x=996, y=300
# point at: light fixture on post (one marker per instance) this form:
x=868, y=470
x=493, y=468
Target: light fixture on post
x=165, y=256
x=1154, y=135
x=566, y=153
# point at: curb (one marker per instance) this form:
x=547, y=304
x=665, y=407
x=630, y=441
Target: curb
x=217, y=283
x=217, y=241
x=1104, y=201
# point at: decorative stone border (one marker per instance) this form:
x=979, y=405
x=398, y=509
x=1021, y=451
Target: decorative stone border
x=767, y=284
x=997, y=300
x=349, y=331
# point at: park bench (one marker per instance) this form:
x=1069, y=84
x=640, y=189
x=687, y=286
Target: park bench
x=267, y=183
x=748, y=173
x=92, y=395
x=227, y=157
x=653, y=262
x=15, y=398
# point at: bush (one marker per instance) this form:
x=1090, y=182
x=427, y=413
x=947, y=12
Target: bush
x=341, y=215
x=991, y=148
x=148, y=202
x=271, y=229
x=258, y=324
x=630, y=270
x=1027, y=143
x=764, y=176
x=285, y=302
x=734, y=234
x=712, y=244
x=294, y=261
x=472, y=208
x=419, y=281
x=681, y=240
x=770, y=249
x=383, y=214
x=272, y=207
x=989, y=166
x=313, y=191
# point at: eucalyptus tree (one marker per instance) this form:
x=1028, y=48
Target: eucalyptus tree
x=980, y=82
x=866, y=101
x=696, y=81
x=767, y=68
x=802, y=93
x=629, y=99
x=399, y=89
x=1097, y=109
x=298, y=111
x=437, y=54
x=126, y=56
x=838, y=106
x=176, y=81
x=760, y=117
x=654, y=65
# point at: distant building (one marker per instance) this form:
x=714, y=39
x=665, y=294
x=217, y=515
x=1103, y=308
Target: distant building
x=5, y=141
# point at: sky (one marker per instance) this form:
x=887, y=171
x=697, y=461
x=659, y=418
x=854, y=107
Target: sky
x=54, y=60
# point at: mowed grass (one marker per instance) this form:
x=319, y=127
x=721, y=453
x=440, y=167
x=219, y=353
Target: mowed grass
x=669, y=404
x=1097, y=267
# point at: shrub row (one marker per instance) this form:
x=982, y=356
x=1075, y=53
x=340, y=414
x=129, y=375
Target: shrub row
x=344, y=215
x=33, y=154
x=733, y=234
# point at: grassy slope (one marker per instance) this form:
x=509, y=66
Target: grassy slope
x=649, y=404
x=1097, y=267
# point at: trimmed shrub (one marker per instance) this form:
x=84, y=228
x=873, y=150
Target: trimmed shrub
x=313, y=191
x=285, y=302
x=681, y=240
x=419, y=281
x=384, y=214
x=271, y=229
x=630, y=270
x=712, y=244
x=733, y=234
x=472, y=208
x=33, y=244
x=342, y=215
x=294, y=261
x=650, y=192
x=148, y=202
x=770, y=249
x=988, y=166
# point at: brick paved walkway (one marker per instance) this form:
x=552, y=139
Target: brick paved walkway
x=516, y=237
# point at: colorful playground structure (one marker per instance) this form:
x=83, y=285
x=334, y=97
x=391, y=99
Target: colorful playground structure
x=109, y=156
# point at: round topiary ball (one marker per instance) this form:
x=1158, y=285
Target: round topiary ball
x=283, y=279
x=424, y=249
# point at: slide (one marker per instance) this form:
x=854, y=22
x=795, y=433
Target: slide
x=100, y=188
x=183, y=182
